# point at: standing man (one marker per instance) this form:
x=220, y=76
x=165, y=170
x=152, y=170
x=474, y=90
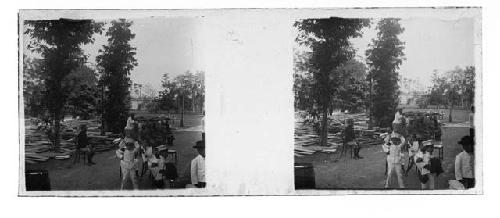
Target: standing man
x=464, y=163
x=198, y=166
x=393, y=147
x=128, y=162
x=350, y=138
x=84, y=145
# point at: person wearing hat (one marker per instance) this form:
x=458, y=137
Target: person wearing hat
x=350, y=138
x=392, y=146
x=464, y=163
x=128, y=162
x=198, y=166
x=423, y=162
x=156, y=164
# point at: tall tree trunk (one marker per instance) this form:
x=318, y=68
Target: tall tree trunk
x=449, y=116
x=57, y=128
x=324, y=127
x=370, y=108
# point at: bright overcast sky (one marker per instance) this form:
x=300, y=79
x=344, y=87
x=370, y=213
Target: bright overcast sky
x=170, y=45
x=164, y=45
x=430, y=44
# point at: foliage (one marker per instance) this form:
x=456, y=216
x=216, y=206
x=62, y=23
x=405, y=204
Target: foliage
x=384, y=57
x=115, y=62
x=187, y=88
x=422, y=102
x=328, y=40
x=354, y=88
x=455, y=87
x=83, y=92
x=33, y=88
x=59, y=44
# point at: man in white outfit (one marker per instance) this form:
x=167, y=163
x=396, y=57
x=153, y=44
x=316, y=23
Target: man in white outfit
x=393, y=145
x=198, y=166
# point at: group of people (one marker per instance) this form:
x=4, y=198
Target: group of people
x=420, y=153
x=406, y=140
x=423, y=125
x=141, y=151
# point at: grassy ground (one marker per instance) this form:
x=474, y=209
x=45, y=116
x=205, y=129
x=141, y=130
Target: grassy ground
x=105, y=175
x=368, y=173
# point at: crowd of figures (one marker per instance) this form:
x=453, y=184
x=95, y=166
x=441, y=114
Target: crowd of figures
x=415, y=138
x=144, y=147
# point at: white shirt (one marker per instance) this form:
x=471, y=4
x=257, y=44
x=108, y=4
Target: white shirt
x=130, y=123
x=426, y=157
x=397, y=118
x=198, y=169
x=127, y=159
x=464, y=166
x=395, y=155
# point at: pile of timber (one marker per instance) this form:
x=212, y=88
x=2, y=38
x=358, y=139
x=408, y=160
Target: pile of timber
x=307, y=141
x=38, y=148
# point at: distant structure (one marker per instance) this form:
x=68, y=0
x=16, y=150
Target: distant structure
x=136, y=98
x=411, y=90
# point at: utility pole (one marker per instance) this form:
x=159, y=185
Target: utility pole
x=103, y=132
x=182, y=111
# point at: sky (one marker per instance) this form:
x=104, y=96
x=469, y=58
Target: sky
x=170, y=45
x=430, y=44
x=164, y=45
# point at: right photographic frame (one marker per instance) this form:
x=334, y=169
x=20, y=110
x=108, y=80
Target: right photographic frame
x=389, y=102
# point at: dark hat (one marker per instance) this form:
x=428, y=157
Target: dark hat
x=200, y=144
x=466, y=140
x=396, y=140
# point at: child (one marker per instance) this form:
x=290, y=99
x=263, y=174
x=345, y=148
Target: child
x=156, y=165
x=412, y=151
x=393, y=148
x=423, y=160
x=128, y=162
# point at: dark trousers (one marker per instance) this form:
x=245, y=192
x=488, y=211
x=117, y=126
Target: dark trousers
x=468, y=182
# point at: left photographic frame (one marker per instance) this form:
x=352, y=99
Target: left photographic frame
x=110, y=102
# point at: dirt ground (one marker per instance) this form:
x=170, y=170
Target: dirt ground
x=105, y=175
x=368, y=173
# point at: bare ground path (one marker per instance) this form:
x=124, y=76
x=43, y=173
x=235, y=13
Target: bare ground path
x=368, y=173
x=105, y=175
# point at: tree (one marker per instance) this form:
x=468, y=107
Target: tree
x=59, y=44
x=328, y=40
x=354, y=88
x=469, y=84
x=186, y=89
x=437, y=95
x=33, y=88
x=83, y=92
x=453, y=88
x=115, y=62
x=384, y=56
